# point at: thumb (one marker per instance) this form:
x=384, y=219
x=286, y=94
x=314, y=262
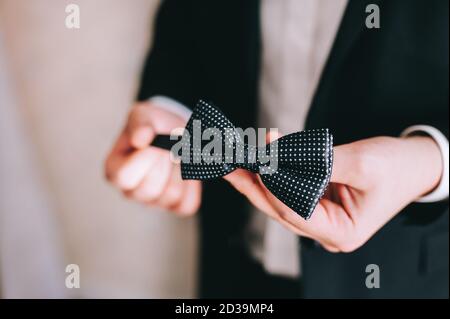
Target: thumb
x=141, y=136
x=347, y=166
x=139, y=129
x=273, y=135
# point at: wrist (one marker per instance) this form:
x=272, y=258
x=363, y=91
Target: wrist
x=425, y=164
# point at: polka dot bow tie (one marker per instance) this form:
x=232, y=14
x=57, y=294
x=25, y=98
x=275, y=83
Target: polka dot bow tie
x=296, y=168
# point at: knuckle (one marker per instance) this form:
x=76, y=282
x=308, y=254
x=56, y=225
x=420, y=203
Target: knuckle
x=135, y=116
x=365, y=163
x=129, y=194
x=152, y=193
x=132, y=114
x=190, y=208
x=173, y=195
x=108, y=171
x=330, y=249
x=140, y=194
x=350, y=245
x=283, y=215
x=139, y=107
x=346, y=248
x=121, y=179
x=188, y=211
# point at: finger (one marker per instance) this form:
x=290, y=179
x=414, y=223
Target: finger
x=348, y=166
x=289, y=216
x=154, y=179
x=292, y=228
x=332, y=193
x=190, y=202
x=328, y=218
x=116, y=157
x=331, y=249
x=247, y=184
x=122, y=145
x=174, y=190
x=282, y=211
x=126, y=172
x=332, y=224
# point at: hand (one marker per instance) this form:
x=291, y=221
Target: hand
x=145, y=173
x=372, y=180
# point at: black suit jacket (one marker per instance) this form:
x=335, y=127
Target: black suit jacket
x=376, y=82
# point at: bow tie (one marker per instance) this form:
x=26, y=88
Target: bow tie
x=296, y=168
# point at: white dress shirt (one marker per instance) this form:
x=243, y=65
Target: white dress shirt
x=297, y=39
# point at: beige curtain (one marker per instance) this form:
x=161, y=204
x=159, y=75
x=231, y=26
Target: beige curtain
x=71, y=90
x=30, y=252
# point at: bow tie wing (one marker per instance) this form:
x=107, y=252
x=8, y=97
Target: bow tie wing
x=304, y=169
x=207, y=122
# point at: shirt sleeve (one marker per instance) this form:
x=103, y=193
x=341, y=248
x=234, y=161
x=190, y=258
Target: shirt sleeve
x=171, y=105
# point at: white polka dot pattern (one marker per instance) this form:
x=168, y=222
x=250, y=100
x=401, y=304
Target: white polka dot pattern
x=304, y=160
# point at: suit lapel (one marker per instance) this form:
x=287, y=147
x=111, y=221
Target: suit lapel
x=350, y=31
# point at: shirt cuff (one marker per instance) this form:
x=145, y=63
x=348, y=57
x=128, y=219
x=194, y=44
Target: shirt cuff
x=171, y=105
x=441, y=192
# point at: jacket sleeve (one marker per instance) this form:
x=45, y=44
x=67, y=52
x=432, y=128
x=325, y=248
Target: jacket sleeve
x=170, y=67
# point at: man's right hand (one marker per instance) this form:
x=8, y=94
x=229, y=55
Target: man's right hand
x=145, y=173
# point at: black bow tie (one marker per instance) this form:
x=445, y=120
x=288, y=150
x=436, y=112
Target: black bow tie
x=296, y=168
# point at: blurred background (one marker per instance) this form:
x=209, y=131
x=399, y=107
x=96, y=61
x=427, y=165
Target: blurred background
x=64, y=95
